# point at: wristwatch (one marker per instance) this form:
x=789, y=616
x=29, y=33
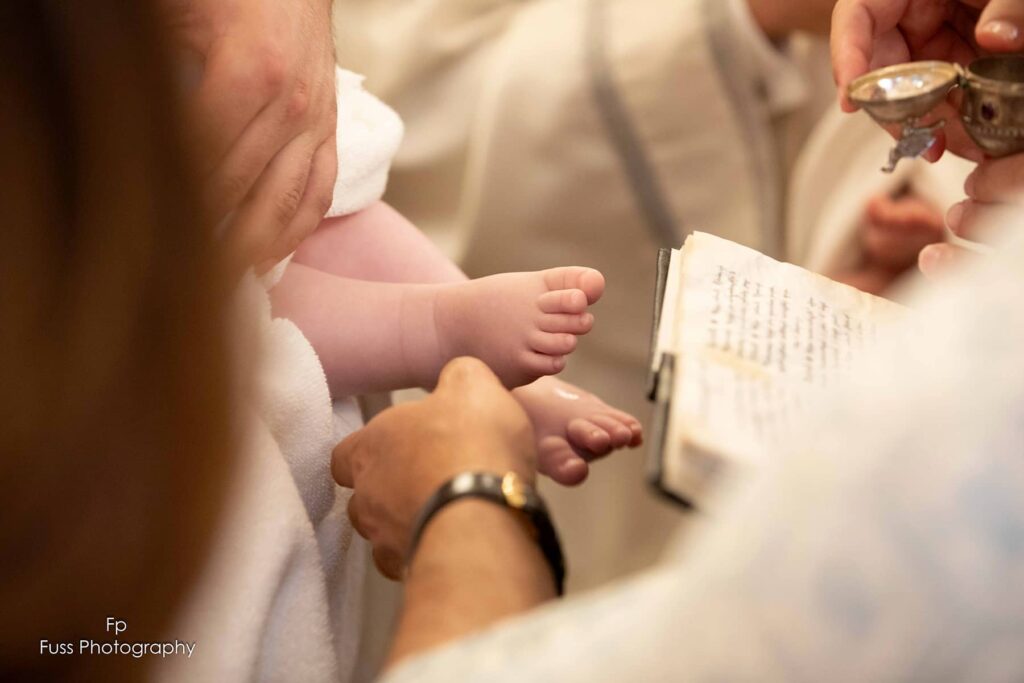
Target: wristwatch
x=508, y=491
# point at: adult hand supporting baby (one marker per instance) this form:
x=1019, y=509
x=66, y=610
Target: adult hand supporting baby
x=870, y=34
x=476, y=562
x=265, y=116
x=469, y=423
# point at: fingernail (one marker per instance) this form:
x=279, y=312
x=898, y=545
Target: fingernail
x=933, y=259
x=954, y=216
x=1003, y=30
x=970, y=183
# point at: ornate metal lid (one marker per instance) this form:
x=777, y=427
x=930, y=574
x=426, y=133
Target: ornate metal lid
x=901, y=93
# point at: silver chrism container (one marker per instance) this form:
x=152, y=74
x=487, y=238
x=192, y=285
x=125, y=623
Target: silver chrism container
x=992, y=104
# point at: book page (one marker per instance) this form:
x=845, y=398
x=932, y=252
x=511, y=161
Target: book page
x=756, y=341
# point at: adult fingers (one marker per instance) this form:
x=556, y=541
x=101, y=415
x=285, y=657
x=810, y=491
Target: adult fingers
x=856, y=26
x=909, y=213
x=936, y=260
x=894, y=248
x=969, y=217
x=996, y=180
x=343, y=460
x=389, y=562
x=249, y=157
x=972, y=219
x=273, y=202
x=316, y=200
x=1000, y=27
x=237, y=85
x=355, y=515
x=898, y=229
x=930, y=27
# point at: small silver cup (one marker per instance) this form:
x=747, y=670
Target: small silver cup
x=993, y=104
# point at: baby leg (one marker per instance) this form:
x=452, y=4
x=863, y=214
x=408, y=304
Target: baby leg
x=376, y=336
x=377, y=244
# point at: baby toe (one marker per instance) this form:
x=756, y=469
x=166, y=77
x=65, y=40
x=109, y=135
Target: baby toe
x=557, y=459
x=540, y=364
x=637, y=430
x=563, y=301
x=587, y=436
x=572, y=472
x=620, y=434
x=552, y=344
x=588, y=280
x=592, y=284
x=564, y=322
x=631, y=423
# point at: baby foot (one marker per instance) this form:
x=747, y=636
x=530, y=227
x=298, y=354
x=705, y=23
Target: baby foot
x=521, y=324
x=573, y=427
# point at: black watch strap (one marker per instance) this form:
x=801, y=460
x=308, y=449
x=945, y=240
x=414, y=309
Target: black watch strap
x=508, y=491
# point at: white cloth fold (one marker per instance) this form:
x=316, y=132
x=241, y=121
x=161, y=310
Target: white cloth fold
x=280, y=595
x=369, y=133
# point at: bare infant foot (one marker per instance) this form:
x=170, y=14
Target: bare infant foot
x=521, y=324
x=573, y=427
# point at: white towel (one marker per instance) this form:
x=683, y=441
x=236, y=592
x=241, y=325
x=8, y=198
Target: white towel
x=280, y=597
x=369, y=133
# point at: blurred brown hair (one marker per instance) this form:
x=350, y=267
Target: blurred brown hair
x=114, y=434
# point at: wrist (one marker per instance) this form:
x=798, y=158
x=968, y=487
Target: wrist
x=473, y=537
x=508, y=494
x=476, y=565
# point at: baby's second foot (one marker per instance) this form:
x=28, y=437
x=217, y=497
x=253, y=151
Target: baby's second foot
x=521, y=324
x=573, y=427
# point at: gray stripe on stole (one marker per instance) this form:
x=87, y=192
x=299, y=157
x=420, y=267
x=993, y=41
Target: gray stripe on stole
x=643, y=180
x=752, y=118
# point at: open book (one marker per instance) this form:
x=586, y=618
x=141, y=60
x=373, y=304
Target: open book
x=742, y=346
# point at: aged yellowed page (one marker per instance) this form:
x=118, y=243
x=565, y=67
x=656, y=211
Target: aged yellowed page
x=756, y=341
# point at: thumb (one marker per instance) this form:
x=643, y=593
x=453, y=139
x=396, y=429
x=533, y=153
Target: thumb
x=1001, y=26
x=342, y=460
